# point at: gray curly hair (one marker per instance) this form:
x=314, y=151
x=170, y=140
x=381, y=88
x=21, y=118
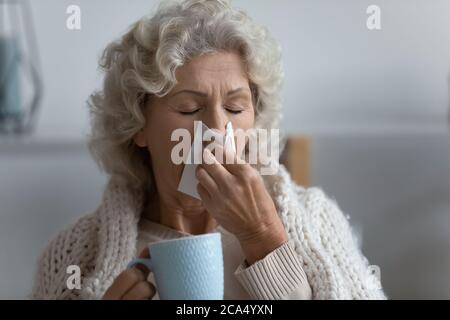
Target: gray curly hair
x=144, y=60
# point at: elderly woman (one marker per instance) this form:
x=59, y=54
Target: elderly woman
x=199, y=60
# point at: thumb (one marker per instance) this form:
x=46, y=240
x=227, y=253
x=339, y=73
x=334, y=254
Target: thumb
x=145, y=254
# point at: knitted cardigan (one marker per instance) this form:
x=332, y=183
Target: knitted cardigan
x=103, y=242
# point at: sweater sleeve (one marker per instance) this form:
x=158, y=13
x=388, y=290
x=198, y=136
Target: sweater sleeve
x=278, y=276
x=340, y=269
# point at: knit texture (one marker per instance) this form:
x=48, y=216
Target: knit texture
x=103, y=242
x=278, y=276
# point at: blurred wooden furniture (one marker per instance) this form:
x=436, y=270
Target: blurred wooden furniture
x=297, y=159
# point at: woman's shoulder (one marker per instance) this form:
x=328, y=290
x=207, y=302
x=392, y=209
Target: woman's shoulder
x=309, y=196
x=311, y=200
x=322, y=211
x=74, y=246
x=74, y=234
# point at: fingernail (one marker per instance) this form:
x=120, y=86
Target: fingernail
x=208, y=156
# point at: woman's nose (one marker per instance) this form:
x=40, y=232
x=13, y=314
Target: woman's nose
x=215, y=118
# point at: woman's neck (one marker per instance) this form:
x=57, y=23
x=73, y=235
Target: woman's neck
x=192, y=221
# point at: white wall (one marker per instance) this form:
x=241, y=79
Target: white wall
x=69, y=58
x=339, y=75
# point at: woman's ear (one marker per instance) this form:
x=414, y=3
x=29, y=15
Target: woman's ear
x=139, y=139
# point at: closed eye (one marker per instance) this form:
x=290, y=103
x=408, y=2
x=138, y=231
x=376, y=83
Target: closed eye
x=234, y=111
x=189, y=112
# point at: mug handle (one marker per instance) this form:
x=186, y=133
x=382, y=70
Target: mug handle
x=146, y=262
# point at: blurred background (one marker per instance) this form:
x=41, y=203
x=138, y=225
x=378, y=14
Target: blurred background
x=373, y=106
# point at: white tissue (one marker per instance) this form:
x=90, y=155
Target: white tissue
x=188, y=182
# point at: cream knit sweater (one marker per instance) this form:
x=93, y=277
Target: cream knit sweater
x=103, y=242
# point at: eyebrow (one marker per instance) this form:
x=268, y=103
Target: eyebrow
x=204, y=95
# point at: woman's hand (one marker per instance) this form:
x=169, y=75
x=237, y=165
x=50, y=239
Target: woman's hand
x=132, y=284
x=235, y=195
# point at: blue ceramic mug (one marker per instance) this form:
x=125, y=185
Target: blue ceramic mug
x=187, y=268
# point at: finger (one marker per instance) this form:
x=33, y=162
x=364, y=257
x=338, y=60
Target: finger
x=203, y=193
x=232, y=163
x=206, y=180
x=124, y=282
x=142, y=290
x=145, y=254
x=213, y=167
